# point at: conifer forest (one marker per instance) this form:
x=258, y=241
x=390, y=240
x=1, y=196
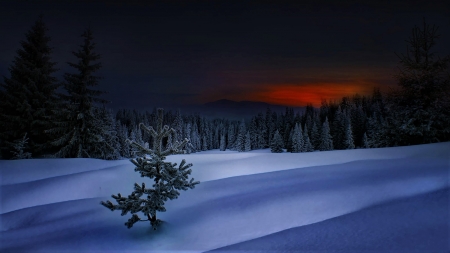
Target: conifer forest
x=45, y=117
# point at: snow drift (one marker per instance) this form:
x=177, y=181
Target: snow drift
x=389, y=199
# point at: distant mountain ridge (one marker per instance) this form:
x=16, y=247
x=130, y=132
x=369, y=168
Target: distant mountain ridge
x=237, y=110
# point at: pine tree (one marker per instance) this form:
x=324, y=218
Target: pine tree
x=20, y=146
x=222, y=143
x=297, y=139
x=195, y=138
x=231, y=136
x=365, y=141
x=168, y=178
x=178, y=126
x=326, y=142
x=307, y=145
x=315, y=136
x=248, y=142
x=77, y=129
x=338, y=129
x=276, y=146
x=204, y=142
x=29, y=97
x=240, y=140
x=348, y=137
x=420, y=107
x=105, y=124
x=122, y=134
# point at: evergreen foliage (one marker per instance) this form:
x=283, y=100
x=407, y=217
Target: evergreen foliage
x=222, y=143
x=365, y=142
x=307, y=145
x=240, y=140
x=297, y=140
x=248, y=142
x=276, y=146
x=168, y=178
x=79, y=129
x=348, y=137
x=419, y=111
x=20, y=146
x=326, y=142
x=28, y=97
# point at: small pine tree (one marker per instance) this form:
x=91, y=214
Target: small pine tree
x=19, y=148
x=168, y=178
x=276, y=146
x=297, y=139
x=222, y=143
x=365, y=141
x=240, y=140
x=204, y=143
x=248, y=142
x=348, y=137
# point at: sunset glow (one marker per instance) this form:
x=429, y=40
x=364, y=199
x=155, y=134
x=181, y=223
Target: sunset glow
x=300, y=95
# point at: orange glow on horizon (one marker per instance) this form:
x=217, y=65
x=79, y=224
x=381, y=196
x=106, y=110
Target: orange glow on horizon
x=300, y=95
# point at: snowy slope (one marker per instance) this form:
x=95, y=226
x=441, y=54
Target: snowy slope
x=244, y=199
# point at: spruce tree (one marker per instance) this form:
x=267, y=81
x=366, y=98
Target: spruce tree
x=315, y=136
x=77, y=129
x=20, y=146
x=178, y=126
x=348, y=137
x=338, y=129
x=297, y=139
x=222, y=143
x=240, y=140
x=307, y=145
x=420, y=107
x=326, y=142
x=276, y=146
x=168, y=178
x=231, y=137
x=29, y=97
x=365, y=141
x=248, y=142
x=106, y=127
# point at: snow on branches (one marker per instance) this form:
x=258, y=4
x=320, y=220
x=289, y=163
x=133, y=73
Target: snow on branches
x=168, y=178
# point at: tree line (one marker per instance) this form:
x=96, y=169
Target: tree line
x=36, y=120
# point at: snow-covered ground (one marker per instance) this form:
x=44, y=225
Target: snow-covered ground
x=365, y=200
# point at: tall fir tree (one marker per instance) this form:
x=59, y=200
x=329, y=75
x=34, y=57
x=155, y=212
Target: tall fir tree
x=77, y=130
x=29, y=95
x=315, y=135
x=231, y=137
x=248, y=142
x=297, y=139
x=307, y=145
x=338, y=129
x=326, y=141
x=223, y=145
x=349, y=143
x=178, y=126
x=365, y=142
x=420, y=107
x=240, y=140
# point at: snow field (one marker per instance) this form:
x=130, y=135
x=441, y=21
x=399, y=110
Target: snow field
x=241, y=197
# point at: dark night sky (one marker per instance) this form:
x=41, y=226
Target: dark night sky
x=188, y=53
